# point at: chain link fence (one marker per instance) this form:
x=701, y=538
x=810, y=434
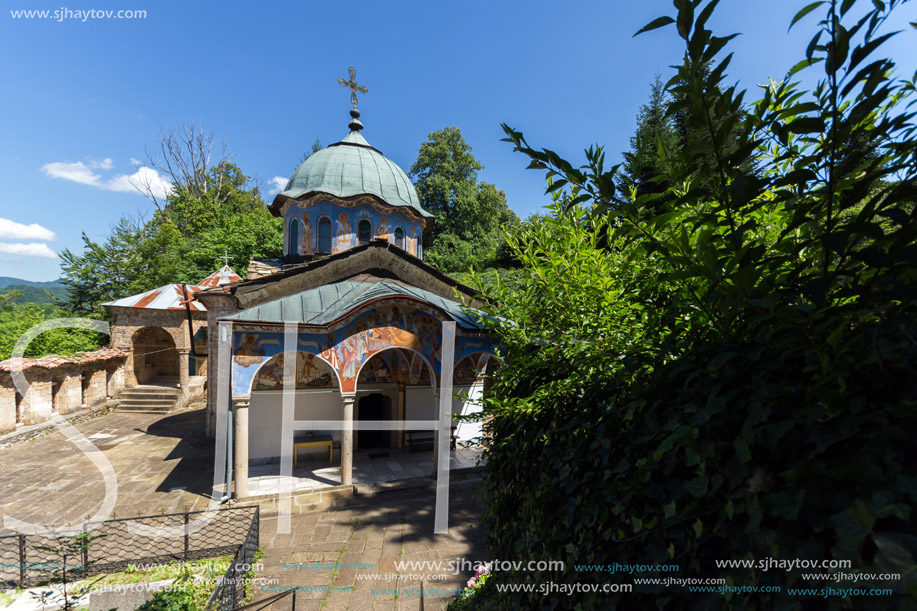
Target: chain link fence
x=230, y=531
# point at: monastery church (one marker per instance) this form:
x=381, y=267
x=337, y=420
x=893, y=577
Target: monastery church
x=367, y=310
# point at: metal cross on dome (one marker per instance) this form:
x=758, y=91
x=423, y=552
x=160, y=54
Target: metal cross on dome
x=225, y=257
x=352, y=83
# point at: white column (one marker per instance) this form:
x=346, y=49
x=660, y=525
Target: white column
x=436, y=435
x=240, y=444
x=347, y=441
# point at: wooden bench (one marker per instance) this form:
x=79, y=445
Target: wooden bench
x=420, y=437
x=306, y=441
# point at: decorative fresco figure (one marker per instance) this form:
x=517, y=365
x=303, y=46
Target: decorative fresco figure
x=404, y=370
x=395, y=317
x=331, y=353
x=247, y=353
x=306, y=369
x=465, y=372
x=306, y=247
x=412, y=242
x=382, y=230
x=344, y=233
x=271, y=375
x=350, y=358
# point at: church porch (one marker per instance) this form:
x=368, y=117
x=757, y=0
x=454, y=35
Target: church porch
x=373, y=466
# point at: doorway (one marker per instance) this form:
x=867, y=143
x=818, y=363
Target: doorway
x=372, y=407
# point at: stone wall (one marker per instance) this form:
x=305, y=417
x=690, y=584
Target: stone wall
x=68, y=383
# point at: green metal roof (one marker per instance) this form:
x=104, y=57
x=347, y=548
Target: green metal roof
x=323, y=305
x=353, y=167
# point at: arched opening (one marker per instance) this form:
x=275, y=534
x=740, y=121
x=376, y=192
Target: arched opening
x=154, y=357
x=324, y=235
x=293, y=247
x=364, y=231
x=399, y=238
x=316, y=398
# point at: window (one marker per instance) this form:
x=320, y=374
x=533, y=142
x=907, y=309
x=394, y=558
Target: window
x=399, y=238
x=364, y=231
x=324, y=235
x=293, y=248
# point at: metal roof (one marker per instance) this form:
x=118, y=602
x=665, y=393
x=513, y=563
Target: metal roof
x=353, y=167
x=323, y=305
x=224, y=275
x=172, y=297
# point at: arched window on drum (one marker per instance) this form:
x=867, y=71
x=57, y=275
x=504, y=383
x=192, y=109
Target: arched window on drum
x=324, y=235
x=293, y=248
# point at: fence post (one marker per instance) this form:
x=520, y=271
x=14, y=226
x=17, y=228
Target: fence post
x=257, y=526
x=22, y=561
x=187, y=537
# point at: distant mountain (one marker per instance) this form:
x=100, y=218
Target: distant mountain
x=51, y=284
x=34, y=292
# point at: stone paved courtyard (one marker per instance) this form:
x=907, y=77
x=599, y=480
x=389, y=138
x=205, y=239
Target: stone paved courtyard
x=373, y=535
x=165, y=464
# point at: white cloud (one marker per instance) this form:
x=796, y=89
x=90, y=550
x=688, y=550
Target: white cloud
x=278, y=184
x=143, y=180
x=135, y=161
x=17, y=231
x=30, y=250
x=76, y=172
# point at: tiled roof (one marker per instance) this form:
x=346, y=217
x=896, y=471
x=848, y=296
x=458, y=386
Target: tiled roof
x=53, y=360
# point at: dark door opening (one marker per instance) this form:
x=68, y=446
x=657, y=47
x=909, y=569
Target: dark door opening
x=371, y=407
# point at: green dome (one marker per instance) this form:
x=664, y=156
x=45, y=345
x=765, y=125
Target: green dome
x=353, y=167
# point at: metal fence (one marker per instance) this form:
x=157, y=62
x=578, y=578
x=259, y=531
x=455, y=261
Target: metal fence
x=230, y=531
x=230, y=592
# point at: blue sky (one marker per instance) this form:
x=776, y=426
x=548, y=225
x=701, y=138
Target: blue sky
x=83, y=101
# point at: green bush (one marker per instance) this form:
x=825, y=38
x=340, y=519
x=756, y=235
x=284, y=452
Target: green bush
x=730, y=378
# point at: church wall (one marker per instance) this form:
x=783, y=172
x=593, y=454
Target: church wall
x=344, y=222
x=266, y=417
x=422, y=405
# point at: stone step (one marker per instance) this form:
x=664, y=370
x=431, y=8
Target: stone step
x=148, y=400
x=151, y=388
x=163, y=396
x=130, y=406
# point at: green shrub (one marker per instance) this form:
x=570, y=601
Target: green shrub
x=730, y=377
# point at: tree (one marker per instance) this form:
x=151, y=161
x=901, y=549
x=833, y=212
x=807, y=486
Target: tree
x=468, y=216
x=316, y=147
x=212, y=208
x=730, y=378
x=643, y=169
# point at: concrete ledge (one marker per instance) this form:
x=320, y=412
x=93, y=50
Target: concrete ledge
x=303, y=501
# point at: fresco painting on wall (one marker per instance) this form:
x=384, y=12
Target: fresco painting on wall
x=382, y=229
x=344, y=233
x=408, y=325
x=248, y=352
x=306, y=246
x=311, y=372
